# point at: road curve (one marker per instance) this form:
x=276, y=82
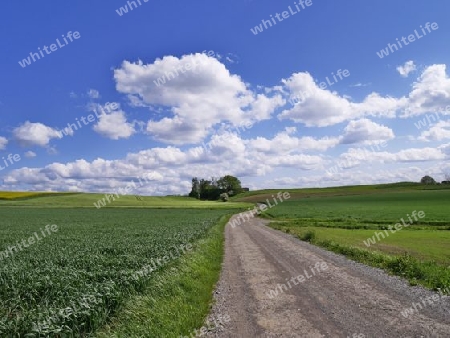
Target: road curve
x=320, y=294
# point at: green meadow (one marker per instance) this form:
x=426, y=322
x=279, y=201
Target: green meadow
x=383, y=206
x=83, y=200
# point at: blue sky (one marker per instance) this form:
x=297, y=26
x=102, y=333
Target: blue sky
x=362, y=129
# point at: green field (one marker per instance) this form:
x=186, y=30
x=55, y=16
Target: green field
x=383, y=206
x=261, y=195
x=343, y=223
x=90, y=265
x=81, y=200
x=428, y=245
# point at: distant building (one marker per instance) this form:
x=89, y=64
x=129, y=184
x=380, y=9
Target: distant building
x=245, y=189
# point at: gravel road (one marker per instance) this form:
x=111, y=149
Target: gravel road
x=315, y=293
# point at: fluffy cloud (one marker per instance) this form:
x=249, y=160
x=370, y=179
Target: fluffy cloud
x=355, y=176
x=407, y=68
x=366, y=131
x=322, y=107
x=29, y=134
x=284, y=142
x=431, y=92
x=299, y=161
x=114, y=125
x=3, y=142
x=196, y=91
x=226, y=153
x=171, y=168
x=178, y=130
x=356, y=156
x=438, y=132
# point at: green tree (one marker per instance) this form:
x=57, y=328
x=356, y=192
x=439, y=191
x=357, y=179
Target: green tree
x=195, y=191
x=427, y=180
x=215, y=188
x=209, y=190
x=230, y=184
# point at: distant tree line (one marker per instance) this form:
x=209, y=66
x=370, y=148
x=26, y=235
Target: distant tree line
x=215, y=188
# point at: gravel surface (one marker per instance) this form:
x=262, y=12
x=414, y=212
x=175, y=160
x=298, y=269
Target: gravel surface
x=273, y=285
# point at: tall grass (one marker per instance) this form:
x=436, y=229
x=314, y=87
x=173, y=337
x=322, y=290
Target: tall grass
x=69, y=283
x=178, y=300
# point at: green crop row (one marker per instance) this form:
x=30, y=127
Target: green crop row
x=70, y=283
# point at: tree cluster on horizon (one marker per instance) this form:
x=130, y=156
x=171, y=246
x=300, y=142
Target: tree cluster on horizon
x=428, y=180
x=216, y=188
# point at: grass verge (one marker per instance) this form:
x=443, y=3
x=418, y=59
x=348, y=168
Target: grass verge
x=178, y=299
x=426, y=273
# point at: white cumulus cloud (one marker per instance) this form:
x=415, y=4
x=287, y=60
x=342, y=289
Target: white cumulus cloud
x=366, y=131
x=114, y=125
x=430, y=93
x=437, y=132
x=323, y=107
x=29, y=134
x=197, y=92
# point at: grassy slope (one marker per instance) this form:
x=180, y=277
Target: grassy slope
x=88, y=200
x=428, y=245
x=383, y=206
x=262, y=195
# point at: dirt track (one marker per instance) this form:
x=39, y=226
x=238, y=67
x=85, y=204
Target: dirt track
x=346, y=299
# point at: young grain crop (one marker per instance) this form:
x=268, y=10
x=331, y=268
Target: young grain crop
x=72, y=282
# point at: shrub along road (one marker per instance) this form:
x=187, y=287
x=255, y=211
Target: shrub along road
x=273, y=285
